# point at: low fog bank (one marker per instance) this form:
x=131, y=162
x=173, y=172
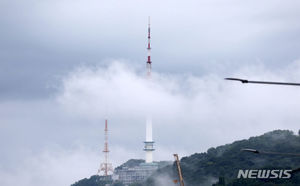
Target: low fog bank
x=43, y=138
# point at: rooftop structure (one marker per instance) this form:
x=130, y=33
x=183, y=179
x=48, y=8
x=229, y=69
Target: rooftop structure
x=129, y=175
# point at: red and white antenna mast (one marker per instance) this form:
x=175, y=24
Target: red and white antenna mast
x=105, y=167
x=149, y=51
x=149, y=143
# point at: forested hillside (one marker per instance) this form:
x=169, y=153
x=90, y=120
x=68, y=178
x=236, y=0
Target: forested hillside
x=225, y=161
x=220, y=165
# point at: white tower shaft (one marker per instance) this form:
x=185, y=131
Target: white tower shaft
x=149, y=129
x=149, y=141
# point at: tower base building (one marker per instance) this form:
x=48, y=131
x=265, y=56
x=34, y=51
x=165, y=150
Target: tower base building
x=130, y=175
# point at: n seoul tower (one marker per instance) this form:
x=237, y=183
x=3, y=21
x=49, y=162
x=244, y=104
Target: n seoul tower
x=149, y=141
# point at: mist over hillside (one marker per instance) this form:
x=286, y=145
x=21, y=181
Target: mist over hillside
x=223, y=163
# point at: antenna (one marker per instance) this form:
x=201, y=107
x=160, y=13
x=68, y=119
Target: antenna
x=149, y=62
x=149, y=143
x=105, y=167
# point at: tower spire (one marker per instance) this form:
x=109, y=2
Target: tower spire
x=149, y=62
x=105, y=167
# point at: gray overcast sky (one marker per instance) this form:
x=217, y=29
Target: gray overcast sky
x=66, y=64
x=41, y=40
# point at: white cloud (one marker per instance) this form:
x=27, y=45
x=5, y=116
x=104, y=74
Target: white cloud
x=58, y=141
x=204, y=107
x=51, y=167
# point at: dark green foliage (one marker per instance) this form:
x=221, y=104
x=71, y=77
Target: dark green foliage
x=131, y=163
x=135, y=162
x=294, y=181
x=219, y=166
x=118, y=184
x=221, y=182
x=225, y=161
x=92, y=181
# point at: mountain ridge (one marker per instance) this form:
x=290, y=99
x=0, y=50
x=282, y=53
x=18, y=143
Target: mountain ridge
x=223, y=163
